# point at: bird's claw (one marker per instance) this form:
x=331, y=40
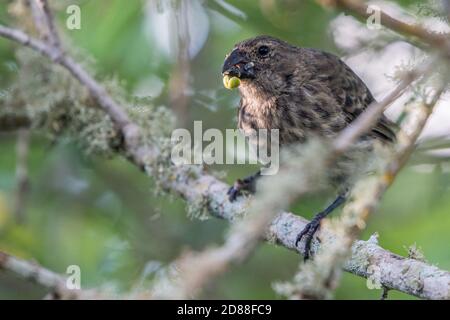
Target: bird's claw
x=236, y=189
x=308, y=233
x=247, y=184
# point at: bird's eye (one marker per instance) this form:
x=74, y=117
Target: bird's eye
x=263, y=51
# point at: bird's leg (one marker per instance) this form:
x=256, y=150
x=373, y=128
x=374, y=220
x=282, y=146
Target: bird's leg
x=247, y=184
x=311, y=228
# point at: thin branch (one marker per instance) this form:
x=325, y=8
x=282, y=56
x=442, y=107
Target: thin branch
x=384, y=294
x=38, y=19
x=179, y=78
x=24, y=39
x=360, y=9
x=33, y=272
x=53, y=36
x=374, y=111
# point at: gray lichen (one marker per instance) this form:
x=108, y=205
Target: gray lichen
x=416, y=253
x=59, y=106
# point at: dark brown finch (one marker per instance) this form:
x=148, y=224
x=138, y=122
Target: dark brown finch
x=302, y=92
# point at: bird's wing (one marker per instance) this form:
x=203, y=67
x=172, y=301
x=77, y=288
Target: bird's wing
x=351, y=93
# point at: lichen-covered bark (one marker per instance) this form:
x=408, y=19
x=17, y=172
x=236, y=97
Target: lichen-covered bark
x=392, y=271
x=368, y=259
x=35, y=273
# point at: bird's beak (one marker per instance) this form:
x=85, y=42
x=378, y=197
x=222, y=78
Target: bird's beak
x=237, y=65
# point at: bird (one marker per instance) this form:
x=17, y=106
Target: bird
x=304, y=93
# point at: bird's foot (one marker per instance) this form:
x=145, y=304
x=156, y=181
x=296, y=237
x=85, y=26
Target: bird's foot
x=242, y=185
x=237, y=189
x=308, y=233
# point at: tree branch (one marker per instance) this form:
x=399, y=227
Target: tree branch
x=374, y=111
x=24, y=39
x=360, y=9
x=43, y=277
x=407, y=275
x=47, y=18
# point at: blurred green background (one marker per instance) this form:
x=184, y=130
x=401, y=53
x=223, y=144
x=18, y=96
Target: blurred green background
x=102, y=214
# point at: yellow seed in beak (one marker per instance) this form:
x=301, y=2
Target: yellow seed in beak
x=231, y=82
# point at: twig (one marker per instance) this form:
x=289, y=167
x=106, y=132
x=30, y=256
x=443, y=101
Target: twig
x=360, y=9
x=384, y=294
x=47, y=15
x=24, y=39
x=179, y=78
x=39, y=275
x=38, y=19
x=371, y=115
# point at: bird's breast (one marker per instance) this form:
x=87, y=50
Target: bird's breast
x=254, y=115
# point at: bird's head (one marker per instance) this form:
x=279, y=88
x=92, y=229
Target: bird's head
x=258, y=61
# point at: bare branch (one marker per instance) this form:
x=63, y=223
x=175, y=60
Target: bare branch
x=47, y=15
x=38, y=19
x=360, y=9
x=24, y=39
x=375, y=110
